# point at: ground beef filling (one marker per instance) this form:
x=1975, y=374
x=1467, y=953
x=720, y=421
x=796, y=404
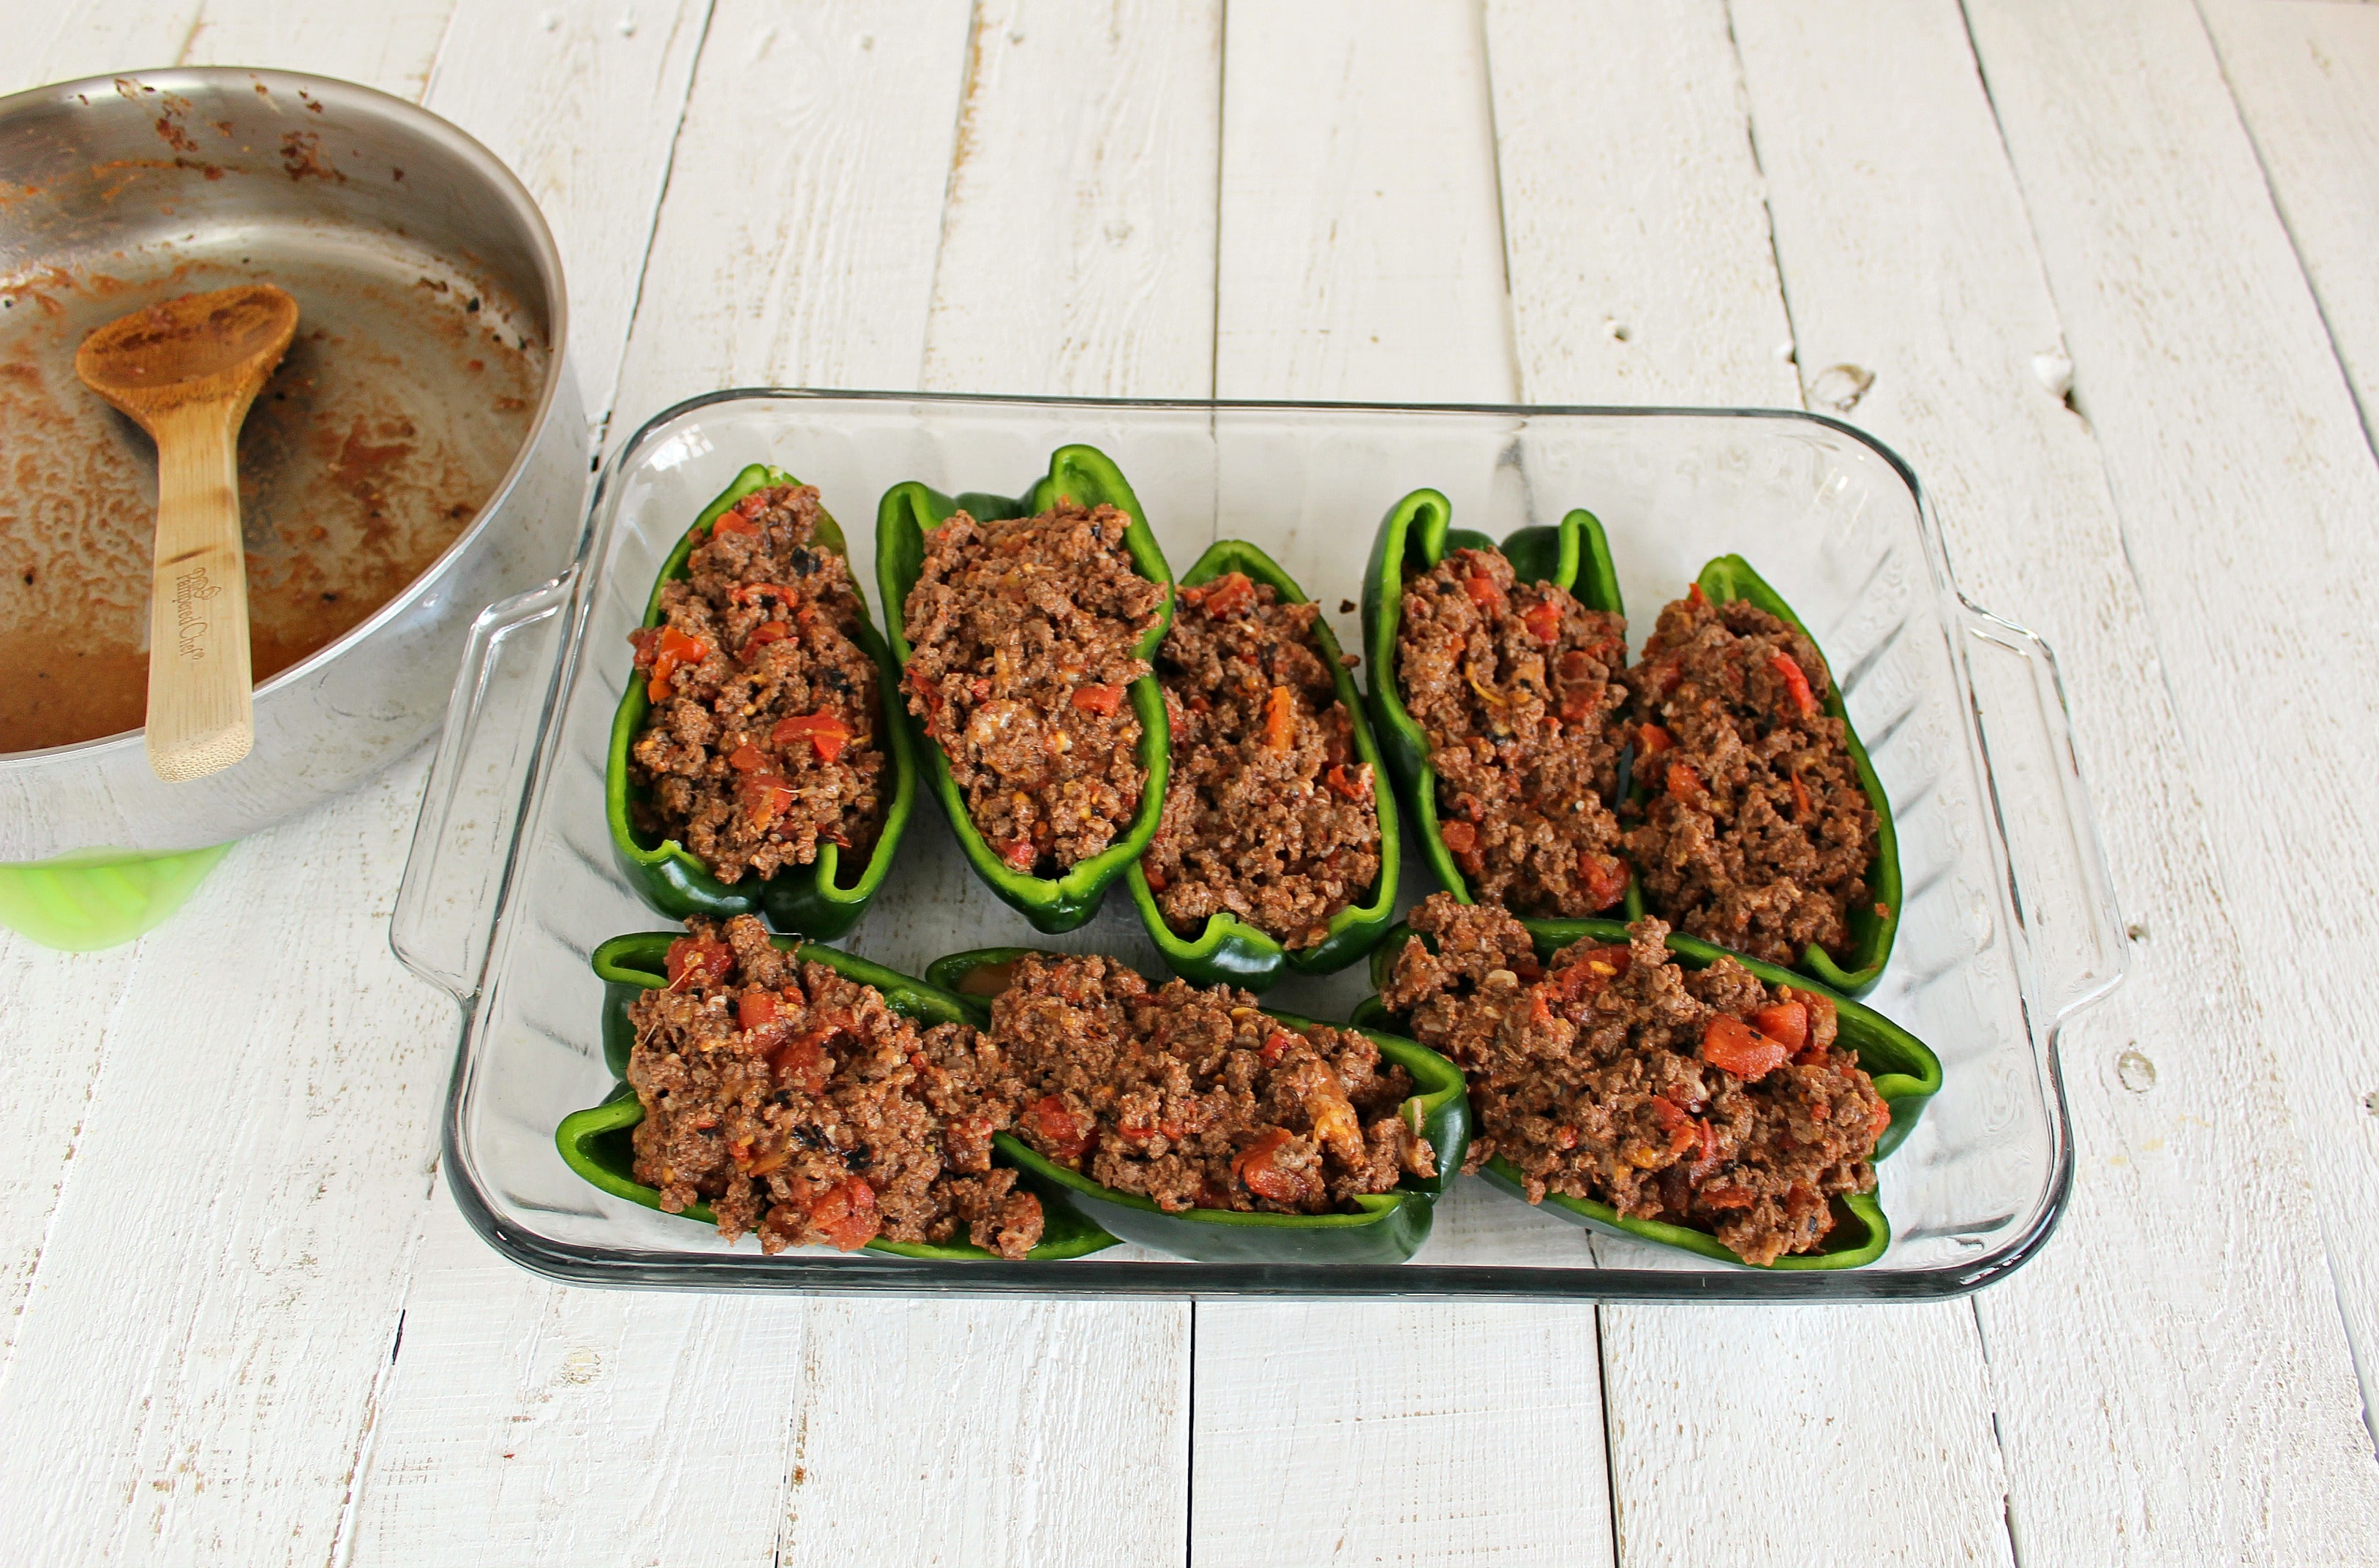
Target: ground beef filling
x=1268, y=814
x=1517, y=687
x=761, y=743
x=1700, y=1098
x=798, y=1104
x=1196, y=1098
x=1022, y=631
x=1753, y=830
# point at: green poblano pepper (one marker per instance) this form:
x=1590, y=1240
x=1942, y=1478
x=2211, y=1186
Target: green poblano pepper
x=1387, y=1227
x=1724, y=581
x=908, y=513
x=1905, y=1072
x=596, y=1142
x=1415, y=535
x=816, y=900
x=1226, y=951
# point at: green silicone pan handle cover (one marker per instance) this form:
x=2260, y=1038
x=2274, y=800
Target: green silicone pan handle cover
x=97, y=898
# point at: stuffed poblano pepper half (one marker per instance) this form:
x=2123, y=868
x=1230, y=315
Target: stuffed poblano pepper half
x=1904, y=1073
x=1872, y=922
x=824, y=896
x=1380, y=1227
x=1026, y=769
x=599, y=1144
x=1584, y=871
x=1225, y=948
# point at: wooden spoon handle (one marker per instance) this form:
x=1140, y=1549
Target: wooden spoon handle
x=200, y=713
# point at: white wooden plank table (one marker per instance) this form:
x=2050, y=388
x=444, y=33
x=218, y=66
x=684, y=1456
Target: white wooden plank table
x=240, y=1321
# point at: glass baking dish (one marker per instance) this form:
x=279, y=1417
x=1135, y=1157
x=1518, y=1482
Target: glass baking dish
x=2008, y=927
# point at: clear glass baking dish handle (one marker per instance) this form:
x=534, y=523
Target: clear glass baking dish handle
x=495, y=721
x=2064, y=898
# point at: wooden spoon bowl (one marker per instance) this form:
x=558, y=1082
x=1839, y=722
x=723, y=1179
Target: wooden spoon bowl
x=186, y=370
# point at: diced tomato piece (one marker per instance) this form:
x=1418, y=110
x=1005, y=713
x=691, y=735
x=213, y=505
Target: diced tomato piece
x=734, y=523
x=1706, y=1158
x=642, y=639
x=1483, y=591
x=1231, y=593
x=1733, y=1046
x=1801, y=807
x=1460, y=836
x=846, y=1215
x=1542, y=619
x=1590, y=971
x=1276, y=1046
x=698, y=960
x=1576, y=703
x=1726, y=1197
x=1666, y=676
x=1685, y=785
x=1882, y=1118
x=765, y=796
x=670, y=650
x=1528, y=970
x=1060, y=1131
x=826, y=733
x=1280, y=720
x=762, y=635
x=1539, y=1011
x=1787, y=1023
x=1157, y=881
x=1605, y=877
x=1652, y=739
x=1796, y=684
x=1344, y=784
x=1694, y=596
x=746, y=758
x=1098, y=699
x=801, y=1062
x=1682, y=1130
x=1018, y=855
x=980, y=688
x=755, y=1008
x=1255, y=1167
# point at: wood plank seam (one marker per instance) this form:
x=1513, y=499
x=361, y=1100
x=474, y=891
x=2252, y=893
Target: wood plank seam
x=1766, y=211
x=343, y=1537
x=963, y=137
x=1784, y=293
x=1214, y=313
x=66, y=1170
x=1603, y=1383
x=1503, y=223
x=2359, y=1354
x=652, y=228
x=2296, y=246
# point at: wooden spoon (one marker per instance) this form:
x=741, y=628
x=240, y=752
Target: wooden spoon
x=186, y=370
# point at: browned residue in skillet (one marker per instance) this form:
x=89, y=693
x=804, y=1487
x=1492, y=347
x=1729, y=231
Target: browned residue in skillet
x=366, y=454
x=301, y=155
